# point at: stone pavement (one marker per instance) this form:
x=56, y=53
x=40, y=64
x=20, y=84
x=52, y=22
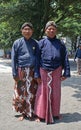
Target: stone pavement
x=70, y=103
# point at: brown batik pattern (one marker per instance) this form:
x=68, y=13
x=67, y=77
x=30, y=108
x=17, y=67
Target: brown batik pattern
x=79, y=66
x=24, y=92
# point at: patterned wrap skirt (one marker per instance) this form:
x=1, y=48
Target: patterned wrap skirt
x=79, y=65
x=47, y=103
x=25, y=92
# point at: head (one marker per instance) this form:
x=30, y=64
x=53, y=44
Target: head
x=51, y=29
x=27, y=30
x=79, y=46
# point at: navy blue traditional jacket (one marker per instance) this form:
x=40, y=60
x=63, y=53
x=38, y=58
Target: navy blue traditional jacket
x=53, y=54
x=78, y=54
x=25, y=53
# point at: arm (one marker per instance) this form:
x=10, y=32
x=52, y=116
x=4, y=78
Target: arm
x=37, y=62
x=65, y=62
x=14, y=61
x=75, y=55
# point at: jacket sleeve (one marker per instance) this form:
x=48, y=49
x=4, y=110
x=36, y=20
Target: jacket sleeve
x=76, y=54
x=37, y=62
x=14, y=59
x=65, y=62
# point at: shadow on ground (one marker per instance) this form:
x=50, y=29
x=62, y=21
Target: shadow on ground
x=70, y=117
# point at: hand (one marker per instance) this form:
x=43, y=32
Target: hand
x=16, y=78
x=74, y=60
x=63, y=78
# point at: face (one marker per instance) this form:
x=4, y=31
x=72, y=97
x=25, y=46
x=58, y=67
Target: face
x=27, y=32
x=79, y=47
x=51, y=31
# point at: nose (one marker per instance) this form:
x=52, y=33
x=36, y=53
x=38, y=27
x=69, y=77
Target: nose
x=52, y=30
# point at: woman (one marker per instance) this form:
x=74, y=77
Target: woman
x=25, y=69
x=53, y=59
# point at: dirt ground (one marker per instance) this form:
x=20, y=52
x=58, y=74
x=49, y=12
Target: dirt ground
x=70, y=103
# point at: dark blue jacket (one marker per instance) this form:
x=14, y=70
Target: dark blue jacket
x=53, y=54
x=25, y=53
x=78, y=53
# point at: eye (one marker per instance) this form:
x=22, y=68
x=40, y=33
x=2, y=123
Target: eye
x=51, y=29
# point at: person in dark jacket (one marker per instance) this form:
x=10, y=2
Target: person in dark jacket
x=77, y=58
x=25, y=70
x=53, y=59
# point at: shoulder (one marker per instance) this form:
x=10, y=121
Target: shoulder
x=18, y=41
x=62, y=44
x=43, y=40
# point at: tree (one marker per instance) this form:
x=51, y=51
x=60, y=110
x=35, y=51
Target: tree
x=65, y=13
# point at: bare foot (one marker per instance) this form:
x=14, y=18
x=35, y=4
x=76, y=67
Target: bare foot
x=21, y=118
x=37, y=120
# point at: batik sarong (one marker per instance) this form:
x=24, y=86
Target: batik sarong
x=25, y=92
x=79, y=65
x=47, y=103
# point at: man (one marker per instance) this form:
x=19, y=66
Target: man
x=53, y=59
x=25, y=70
x=78, y=57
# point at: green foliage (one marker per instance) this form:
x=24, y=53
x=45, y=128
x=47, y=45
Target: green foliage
x=13, y=13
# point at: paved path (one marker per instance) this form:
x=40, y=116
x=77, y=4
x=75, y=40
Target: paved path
x=70, y=103
x=5, y=65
